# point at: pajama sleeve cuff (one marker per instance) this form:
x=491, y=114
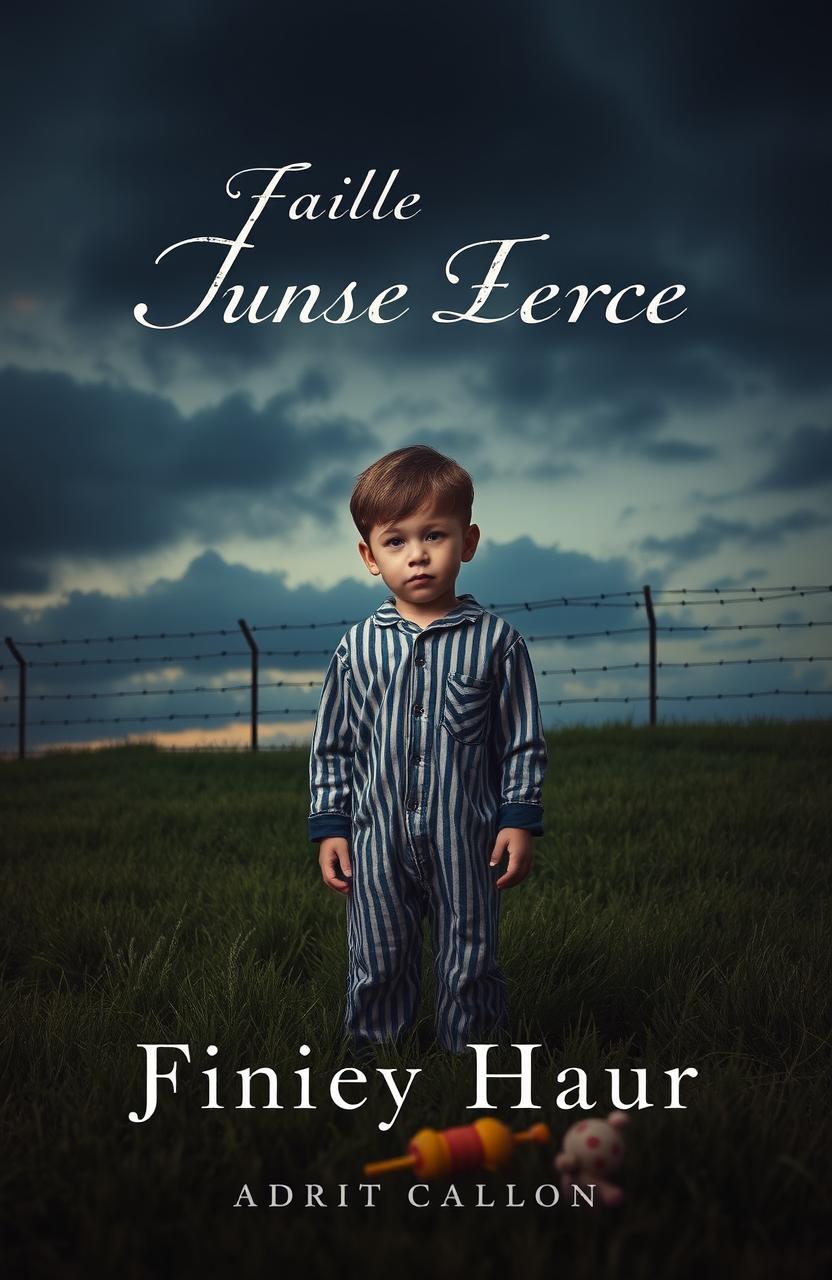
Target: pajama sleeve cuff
x=322, y=825
x=527, y=816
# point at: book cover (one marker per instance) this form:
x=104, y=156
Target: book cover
x=249, y=251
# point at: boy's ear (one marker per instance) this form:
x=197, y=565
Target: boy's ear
x=367, y=556
x=469, y=541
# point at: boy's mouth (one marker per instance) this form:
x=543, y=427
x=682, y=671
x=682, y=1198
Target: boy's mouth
x=421, y=577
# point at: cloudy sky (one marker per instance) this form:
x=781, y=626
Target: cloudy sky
x=170, y=480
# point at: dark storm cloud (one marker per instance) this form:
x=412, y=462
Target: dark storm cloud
x=19, y=574
x=409, y=407
x=652, y=143
x=548, y=469
x=712, y=533
x=101, y=470
x=330, y=495
x=802, y=461
x=674, y=451
x=622, y=395
x=522, y=570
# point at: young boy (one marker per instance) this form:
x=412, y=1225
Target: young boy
x=427, y=763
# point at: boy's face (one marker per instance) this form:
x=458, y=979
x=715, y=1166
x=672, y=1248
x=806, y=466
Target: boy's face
x=419, y=557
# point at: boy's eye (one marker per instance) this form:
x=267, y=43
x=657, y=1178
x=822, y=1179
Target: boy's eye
x=397, y=541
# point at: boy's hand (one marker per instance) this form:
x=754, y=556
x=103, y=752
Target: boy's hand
x=334, y=859
x=520, y=856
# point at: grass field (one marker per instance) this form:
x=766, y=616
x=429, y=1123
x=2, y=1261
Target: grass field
x=678, y=915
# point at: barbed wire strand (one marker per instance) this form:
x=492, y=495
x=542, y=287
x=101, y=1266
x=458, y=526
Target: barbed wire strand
x=740, y=595
x=298, y=711
x=313, y=684
x=298, y=653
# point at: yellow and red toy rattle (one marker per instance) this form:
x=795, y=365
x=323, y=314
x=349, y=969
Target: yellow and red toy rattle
x=485, y=1144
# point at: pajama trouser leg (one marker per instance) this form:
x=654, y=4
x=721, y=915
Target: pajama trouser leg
x=385, y=910
x=464, y=912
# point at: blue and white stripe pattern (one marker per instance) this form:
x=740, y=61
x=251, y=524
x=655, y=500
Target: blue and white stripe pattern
x=427, y=742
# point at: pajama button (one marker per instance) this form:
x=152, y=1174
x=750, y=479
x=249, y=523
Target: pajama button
x=417, y=710
x=417, y=759
x=412, y=804
x=420, y=662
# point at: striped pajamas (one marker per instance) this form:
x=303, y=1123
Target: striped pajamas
x=427, y=742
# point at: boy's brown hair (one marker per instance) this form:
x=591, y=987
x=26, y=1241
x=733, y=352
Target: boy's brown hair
x=402, y=481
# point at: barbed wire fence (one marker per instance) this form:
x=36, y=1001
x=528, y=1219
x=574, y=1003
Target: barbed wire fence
x=645, y=602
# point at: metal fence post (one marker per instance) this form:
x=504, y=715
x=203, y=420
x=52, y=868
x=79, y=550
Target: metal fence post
x=651, y=618
x=252, y=644
x=21, y=697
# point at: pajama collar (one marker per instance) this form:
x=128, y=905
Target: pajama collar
x=387, y=615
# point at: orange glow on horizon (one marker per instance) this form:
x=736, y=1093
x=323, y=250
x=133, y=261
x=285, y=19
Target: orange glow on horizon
x=234, y=736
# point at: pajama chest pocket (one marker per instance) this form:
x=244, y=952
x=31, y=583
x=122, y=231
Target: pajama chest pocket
x=466, y=708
